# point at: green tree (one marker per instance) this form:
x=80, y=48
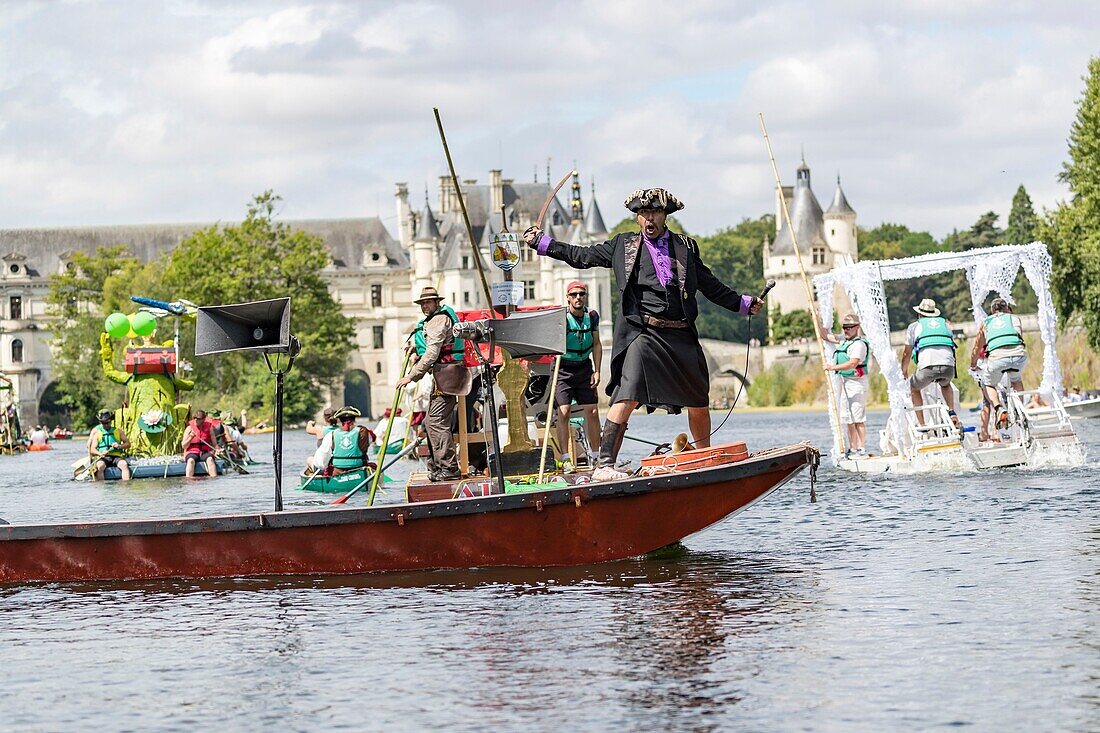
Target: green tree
x=77, y=302
x=257, y=260
x=790, y=326
x=1022, y=222
x=735, y=256
x=1072, y=229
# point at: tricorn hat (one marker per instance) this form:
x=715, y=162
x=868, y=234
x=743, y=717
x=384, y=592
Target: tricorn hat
x=428, y=294
x=653, y=198
x=927, y=308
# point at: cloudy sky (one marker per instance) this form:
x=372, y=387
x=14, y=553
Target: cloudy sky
x=141, y=112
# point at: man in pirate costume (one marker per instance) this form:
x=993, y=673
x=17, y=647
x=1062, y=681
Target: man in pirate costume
x=656, y=359
x=442, y=358
x=579, y=373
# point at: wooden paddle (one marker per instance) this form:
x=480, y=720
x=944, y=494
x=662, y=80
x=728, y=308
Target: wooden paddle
x=389, y=426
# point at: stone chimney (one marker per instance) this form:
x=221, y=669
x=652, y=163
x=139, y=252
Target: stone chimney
x=447, y=200
x=404, y=214
x=496, y=192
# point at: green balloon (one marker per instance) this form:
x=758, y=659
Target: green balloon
x=143, y=323
x=117, y=325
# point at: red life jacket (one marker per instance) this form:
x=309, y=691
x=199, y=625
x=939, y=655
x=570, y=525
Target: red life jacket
x=204, y=437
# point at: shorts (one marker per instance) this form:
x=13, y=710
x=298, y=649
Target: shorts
x=1010, y=366
x=110, y=461
x=575, y=384
x=853, y=401
x=199, y=457
x=941, y=374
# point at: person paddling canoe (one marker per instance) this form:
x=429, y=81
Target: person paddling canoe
x=346, y=448
x=107, y=446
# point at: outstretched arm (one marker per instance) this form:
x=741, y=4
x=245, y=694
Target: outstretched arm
x=582, y=258
x=107, y=358
x=723, y=295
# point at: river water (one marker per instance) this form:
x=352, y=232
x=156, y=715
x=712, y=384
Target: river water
x=893, y=604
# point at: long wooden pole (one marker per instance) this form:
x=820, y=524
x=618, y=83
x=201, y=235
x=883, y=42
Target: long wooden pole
x=805, y=283
x=465, y=215
x=550, y=412
x=386, y=436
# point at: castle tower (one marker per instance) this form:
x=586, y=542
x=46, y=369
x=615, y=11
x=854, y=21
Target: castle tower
x=840, y=227
x=424, y=249
x=575, y=204
x=593, y=220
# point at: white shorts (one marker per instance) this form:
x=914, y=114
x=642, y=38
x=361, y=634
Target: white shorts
x=997, y=369
x=853, y=401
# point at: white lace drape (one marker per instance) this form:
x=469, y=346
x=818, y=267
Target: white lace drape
x=992, y=269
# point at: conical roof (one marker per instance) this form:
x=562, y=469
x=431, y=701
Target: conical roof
x=427, y=231
x=593, y=220
x=840, y=201
x=806, y=216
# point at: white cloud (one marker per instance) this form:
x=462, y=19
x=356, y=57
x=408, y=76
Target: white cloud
x=933, y=112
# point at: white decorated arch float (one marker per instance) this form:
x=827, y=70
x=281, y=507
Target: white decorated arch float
x=1040, y=433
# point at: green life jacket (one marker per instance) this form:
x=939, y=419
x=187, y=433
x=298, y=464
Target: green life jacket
x=933, y=332
x=345, y=449
x=1000, y=332
x=454, y=353
x=841, y=356
x=106, y=439
x=578, y=337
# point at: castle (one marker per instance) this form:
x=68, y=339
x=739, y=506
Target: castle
x=373, y=276
x=825, y=239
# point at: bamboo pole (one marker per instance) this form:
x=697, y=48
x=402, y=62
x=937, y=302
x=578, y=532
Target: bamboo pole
x=840, y=437
x=465, y=217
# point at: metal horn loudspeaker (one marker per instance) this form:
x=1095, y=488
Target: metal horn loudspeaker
x=260, y=325
x=538, y=333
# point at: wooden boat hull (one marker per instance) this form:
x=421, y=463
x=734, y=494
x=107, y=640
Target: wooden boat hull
x=575, y=525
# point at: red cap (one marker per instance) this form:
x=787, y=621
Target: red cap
x=576, y=284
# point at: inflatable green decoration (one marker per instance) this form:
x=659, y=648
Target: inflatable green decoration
x=151, y=419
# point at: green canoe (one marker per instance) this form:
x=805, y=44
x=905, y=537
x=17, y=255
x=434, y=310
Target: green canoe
x=335, y=484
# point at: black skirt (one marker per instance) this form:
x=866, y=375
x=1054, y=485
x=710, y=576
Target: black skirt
x=664, y=368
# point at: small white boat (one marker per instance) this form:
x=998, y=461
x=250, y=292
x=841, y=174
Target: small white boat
x=1083, y=408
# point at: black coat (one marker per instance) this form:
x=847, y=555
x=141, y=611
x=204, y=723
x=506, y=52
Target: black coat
x=621, y=255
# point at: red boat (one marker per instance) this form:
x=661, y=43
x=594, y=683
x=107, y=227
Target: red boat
x=574, y=525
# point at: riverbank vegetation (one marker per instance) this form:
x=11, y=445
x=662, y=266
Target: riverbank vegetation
x=259, y=258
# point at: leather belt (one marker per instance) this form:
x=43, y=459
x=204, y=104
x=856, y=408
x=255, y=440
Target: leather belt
x=662, y=322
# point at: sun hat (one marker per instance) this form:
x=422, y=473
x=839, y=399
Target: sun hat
x=428, y=293
x=927, y=308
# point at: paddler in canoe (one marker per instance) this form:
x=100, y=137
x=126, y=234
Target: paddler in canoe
x=198, y=444
x=345, y=449
x=319, y=430
x=656, y=359
x=107, y=446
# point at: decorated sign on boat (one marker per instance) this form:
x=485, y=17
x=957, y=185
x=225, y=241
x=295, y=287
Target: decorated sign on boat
x=505, y=250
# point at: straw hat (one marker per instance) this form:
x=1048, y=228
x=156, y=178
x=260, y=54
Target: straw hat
x=428, y=294
x=850, y=320
x=927, y=308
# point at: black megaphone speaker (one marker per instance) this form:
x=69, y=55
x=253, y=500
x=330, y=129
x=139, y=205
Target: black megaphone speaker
x=536, y=333
x=262, y=325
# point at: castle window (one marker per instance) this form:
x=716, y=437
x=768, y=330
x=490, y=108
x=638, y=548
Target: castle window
x=17, y=351
x=465, y=262
x=466, y=296
x=782, y=262
x=832, y=231
x=819, y=255
x=16, y=304
x=377, y=367
x=374, y=257
x=376, y=295
x=529, y=289
x=378, y=333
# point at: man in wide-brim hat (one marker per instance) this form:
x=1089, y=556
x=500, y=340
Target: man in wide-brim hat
x=656, y=359
x=850, y=362
x=440, y=354
x=931, y=343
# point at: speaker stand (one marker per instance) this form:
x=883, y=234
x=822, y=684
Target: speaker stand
x=488, y=400
x=277, y=443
